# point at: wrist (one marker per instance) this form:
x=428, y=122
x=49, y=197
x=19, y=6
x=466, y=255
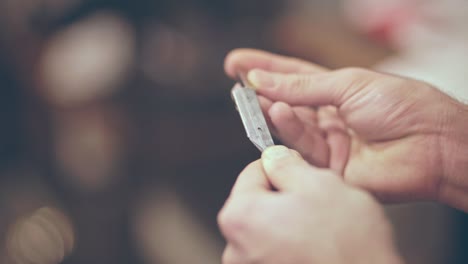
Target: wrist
x=453, y=188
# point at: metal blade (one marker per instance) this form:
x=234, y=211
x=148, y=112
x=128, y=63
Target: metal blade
x=252, y=116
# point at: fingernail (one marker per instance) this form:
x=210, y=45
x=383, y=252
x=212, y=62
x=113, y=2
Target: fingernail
x=276, y=153
x=261, y=79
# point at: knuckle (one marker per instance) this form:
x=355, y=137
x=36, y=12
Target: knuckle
x=236, y=218
x=222, y=218
x=228, y=221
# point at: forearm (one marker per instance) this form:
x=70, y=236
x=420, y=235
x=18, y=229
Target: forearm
x=454, y=146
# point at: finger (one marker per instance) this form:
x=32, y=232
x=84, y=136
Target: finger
x=266, y=104
x=326, y=88
x=338, y=139
x=244, y=60
x=251, y=180
x=231, y=255
x=286, y=169
x=307, y=115
x=339, y=145
x=306, y=138
x=329, y=119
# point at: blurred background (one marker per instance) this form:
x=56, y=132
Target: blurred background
x=119, y=142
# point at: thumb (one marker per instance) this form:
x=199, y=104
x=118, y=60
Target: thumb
x=285, y=168
x=319, y=89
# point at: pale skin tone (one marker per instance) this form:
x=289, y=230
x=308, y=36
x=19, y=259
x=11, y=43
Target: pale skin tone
x=400, y=139
x=284, y=211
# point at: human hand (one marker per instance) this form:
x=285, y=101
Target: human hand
x=283, y=210
x=398, y=138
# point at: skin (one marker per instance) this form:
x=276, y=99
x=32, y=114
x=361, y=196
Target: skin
x=278, y=202
x=357, y=131
x=400, y=139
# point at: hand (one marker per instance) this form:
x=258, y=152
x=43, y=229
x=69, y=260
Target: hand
x=400, y=139
x=283, y=210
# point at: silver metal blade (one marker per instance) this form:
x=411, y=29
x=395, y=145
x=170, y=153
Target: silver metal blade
x=252, y=116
